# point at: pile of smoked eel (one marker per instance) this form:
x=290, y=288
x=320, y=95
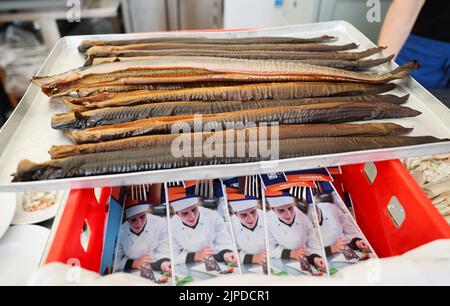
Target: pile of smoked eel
x=131, y=94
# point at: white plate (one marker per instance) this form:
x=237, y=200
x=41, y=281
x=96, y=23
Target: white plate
x=7, y=210
x=23, y=217
x=21, y=250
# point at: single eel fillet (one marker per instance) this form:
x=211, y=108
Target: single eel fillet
x=127, y=161
x=279, y=52
x=356, y=65
x=195, y=69
x=114, y=115
x=306, y=47
x=314, y=113
x=262, y=91
x=86, y=44
x=284, y=132
x=86, y=91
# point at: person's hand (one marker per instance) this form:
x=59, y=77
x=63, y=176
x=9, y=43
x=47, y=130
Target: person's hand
x=144, y=260
x=230, y=258
x=338, y=245
x=260, y=258
x=320, y=264
x=299, y=253
x=166, y=267
x=363, y=246
x=206, y=252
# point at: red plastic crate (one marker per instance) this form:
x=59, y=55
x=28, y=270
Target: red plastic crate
x=82, y=208
x=423, y=222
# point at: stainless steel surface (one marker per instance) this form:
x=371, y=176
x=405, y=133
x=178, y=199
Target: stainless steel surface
x=28, y=135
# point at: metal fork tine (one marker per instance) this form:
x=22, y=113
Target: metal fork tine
x=211, y=191
x=251, y=185
x=196, y=189
x=202, y=189
x=246, y=185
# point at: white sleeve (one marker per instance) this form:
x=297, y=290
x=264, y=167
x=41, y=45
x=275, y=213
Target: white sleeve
x=274, y=247
x=120, y=259
x=349, y=229
x=242, y=254
x=162, y=248
x=313, y=244
x=179, y=253
x=235, y=227
x=223, y=239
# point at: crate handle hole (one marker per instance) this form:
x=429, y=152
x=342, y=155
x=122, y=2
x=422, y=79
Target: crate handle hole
x=396, y=212
x=370, y=169
x=85, y=236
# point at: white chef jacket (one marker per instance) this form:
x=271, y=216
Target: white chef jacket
x=153, y=240
x=336, y=224
x=300, y=233
x=211, y=230
x=249, y=242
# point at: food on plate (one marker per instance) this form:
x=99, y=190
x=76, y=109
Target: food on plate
x=34, y=201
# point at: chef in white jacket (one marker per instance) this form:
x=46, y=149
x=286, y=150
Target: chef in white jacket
x=143, y=239
x=336, y=227
x=291, y=233
x=199, y=232
x=248, y=227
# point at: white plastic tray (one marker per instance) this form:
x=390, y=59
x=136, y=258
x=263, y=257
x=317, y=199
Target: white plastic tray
x=28, y=135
